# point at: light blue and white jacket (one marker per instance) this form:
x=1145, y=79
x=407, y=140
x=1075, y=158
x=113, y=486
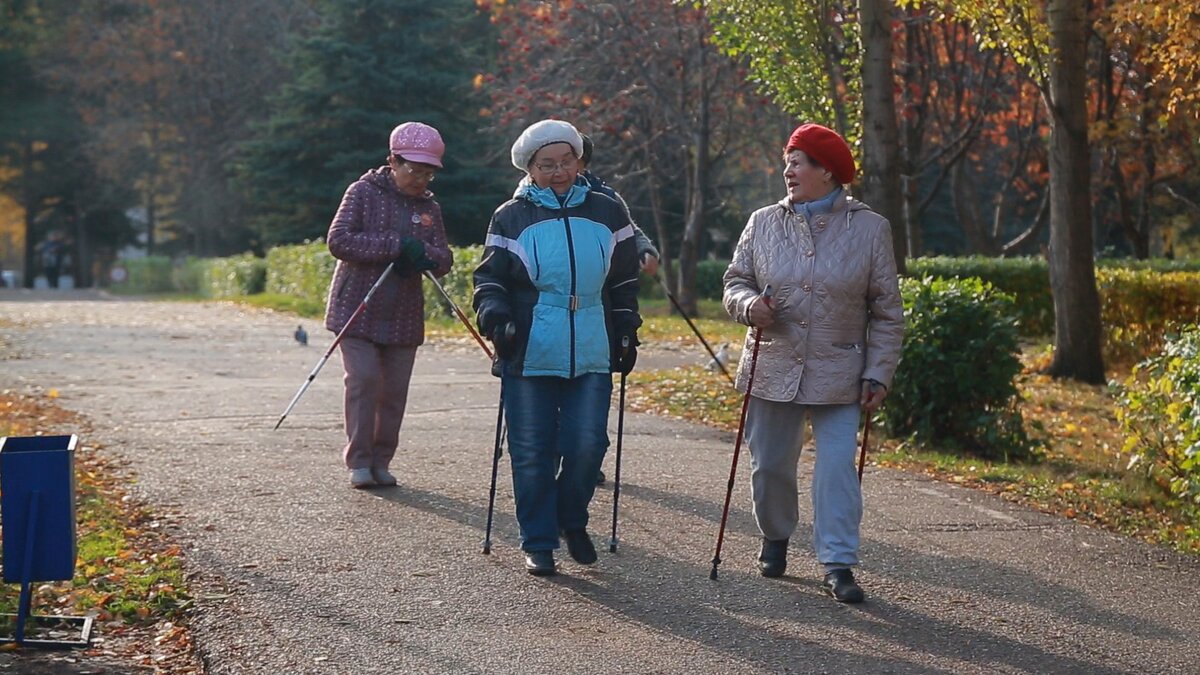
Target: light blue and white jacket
x=564, y=270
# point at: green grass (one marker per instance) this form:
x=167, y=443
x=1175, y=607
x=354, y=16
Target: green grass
x=125, y=569
x=309, y=309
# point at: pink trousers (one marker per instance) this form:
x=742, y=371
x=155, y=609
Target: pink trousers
x=377, y=378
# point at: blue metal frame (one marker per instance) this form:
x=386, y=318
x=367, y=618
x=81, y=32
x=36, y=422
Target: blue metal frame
x=43, y=467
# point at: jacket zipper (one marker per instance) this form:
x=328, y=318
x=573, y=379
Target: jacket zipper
x=570, y=309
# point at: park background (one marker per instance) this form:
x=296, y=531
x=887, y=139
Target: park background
x=1036, y=160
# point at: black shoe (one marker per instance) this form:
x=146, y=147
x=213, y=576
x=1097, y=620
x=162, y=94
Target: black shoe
x=540, y=563
x=601, y=478
x=579, y=545
x=772, y=561
x=841, y=585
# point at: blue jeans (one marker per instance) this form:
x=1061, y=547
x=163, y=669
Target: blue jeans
x=557, y=437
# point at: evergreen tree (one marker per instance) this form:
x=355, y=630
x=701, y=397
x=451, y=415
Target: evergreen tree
x=367, y=67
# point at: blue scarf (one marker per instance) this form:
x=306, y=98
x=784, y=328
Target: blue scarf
x=817, y=207
x=548, y=198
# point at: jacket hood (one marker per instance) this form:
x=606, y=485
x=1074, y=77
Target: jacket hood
x=382, y=178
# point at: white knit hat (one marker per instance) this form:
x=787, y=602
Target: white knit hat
x=541, y=134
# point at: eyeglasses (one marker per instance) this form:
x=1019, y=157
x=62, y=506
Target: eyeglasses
x=568, y=164
x=423, y=175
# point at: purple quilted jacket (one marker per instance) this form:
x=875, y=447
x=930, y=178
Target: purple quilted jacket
x=365, y=236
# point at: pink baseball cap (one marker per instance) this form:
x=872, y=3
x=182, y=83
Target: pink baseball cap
x=418, y=142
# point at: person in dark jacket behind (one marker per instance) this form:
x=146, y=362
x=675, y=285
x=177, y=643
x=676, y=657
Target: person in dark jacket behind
x=556, y=292
x=387, y=216
x=647, y=253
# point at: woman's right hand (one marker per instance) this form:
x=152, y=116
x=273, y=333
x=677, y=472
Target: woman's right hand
x=761, y=314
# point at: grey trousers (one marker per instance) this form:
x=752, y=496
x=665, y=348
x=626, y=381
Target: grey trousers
x=377, y=378
x=775, y=434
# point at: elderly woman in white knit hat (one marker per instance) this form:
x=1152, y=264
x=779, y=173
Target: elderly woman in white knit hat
x=388, y=215
x=830, y=342
x=556, y=292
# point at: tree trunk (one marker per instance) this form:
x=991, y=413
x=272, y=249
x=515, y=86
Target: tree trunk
x=1077, y=329
x=881, y=136
x=27, y=180
x=913, y=121
x=697, y=199
x=966, y=210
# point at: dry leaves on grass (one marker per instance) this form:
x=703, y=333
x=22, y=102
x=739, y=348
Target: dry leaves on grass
x=127, y=576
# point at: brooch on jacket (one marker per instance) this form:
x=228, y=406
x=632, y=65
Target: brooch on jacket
x=422, y=219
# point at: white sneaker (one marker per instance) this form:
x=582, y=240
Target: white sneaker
x=361, y=478
x=383, y=477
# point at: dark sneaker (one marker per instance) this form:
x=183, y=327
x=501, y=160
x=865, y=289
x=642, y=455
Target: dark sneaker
x=540, y=563
x=601, y=478
x=579, y=545
x=842, y=586
x=772, y=560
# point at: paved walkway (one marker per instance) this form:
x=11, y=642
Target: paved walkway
x=296, y=573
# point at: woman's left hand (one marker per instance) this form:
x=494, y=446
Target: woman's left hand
x=873, y=394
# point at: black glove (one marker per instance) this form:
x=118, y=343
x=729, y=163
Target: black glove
x=412, y=256
x=504, y=339
x=625, y=355
x=424, y=264
x=411, y=249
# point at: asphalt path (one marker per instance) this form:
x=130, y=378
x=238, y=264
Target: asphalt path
x=294, y=572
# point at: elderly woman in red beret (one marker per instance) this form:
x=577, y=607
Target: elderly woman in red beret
x=831, y=334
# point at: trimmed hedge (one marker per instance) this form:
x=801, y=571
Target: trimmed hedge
x=458, y=284
x=1139, y=299
x=301, y=270
x=152, y=274
x=234, y=276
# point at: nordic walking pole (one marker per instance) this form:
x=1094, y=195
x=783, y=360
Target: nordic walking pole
x=487, y=536
x=461, y=317
x=612, y=541
x=862, y=454
x=336, y=341
x=737, y=446
x=510, y=332
x=675, y=303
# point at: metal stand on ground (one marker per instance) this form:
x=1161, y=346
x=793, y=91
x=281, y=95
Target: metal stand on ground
x=37, y=501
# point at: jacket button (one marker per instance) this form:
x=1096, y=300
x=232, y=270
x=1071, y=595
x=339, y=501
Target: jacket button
x=808, y=253
x=800, y=360
x=807, y=288
x=804, y=324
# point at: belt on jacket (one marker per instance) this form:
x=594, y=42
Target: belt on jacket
x=571, y=302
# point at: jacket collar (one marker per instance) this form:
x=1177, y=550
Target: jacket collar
x=546, y=197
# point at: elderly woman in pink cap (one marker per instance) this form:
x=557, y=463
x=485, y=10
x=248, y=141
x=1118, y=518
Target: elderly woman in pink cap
x=386, y=216
x=831, y=335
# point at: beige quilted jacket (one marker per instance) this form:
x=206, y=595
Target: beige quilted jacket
x=838, y=314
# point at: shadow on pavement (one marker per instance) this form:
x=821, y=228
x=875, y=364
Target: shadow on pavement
x=746, y=617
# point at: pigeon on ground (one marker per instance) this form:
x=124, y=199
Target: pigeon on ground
x=301, y=336
x=721, y=360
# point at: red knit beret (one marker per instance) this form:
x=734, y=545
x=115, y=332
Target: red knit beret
x=826, y=148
